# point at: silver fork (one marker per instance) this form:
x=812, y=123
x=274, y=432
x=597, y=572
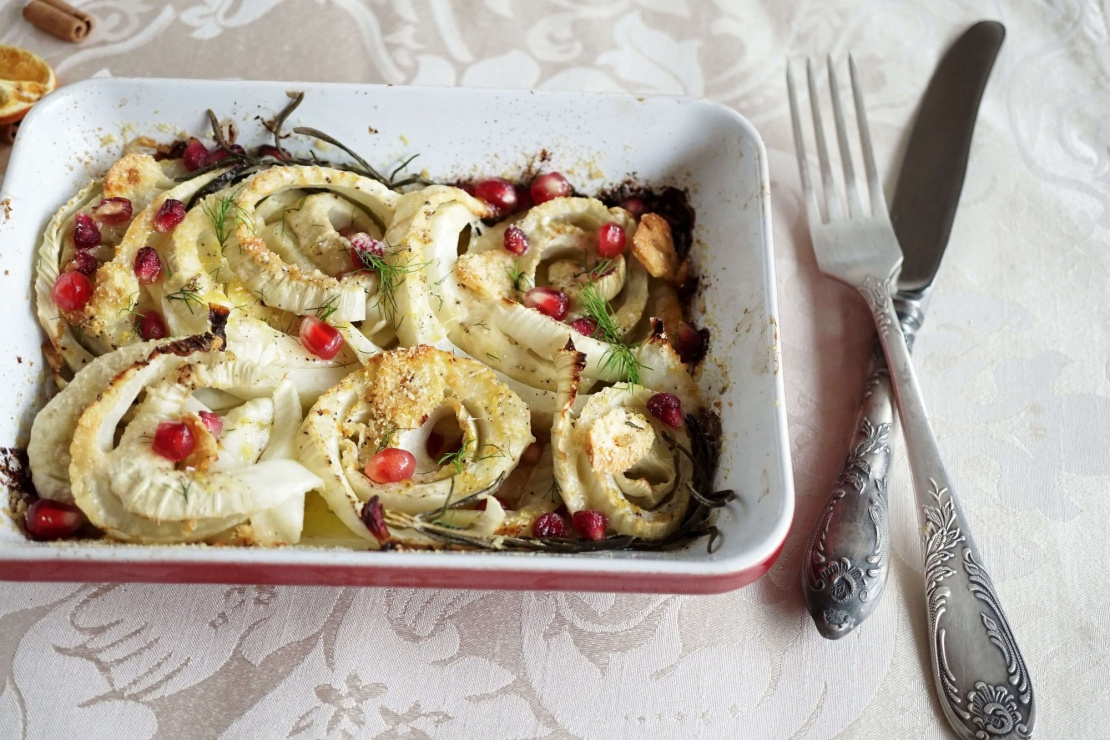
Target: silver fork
x=981, y=678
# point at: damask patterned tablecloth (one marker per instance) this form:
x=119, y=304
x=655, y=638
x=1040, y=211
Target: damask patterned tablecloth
x=1013, y=360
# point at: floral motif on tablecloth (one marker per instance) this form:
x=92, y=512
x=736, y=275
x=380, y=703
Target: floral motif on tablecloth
x=1012, y=359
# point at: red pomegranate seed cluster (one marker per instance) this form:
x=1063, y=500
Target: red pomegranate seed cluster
x=320, y=338
x=52, y=520
x=173, y=440
x=86, y=234
x=548, y=301
x=611, y=240
x=391, y=465
x=516, y=241
x=113, y=211
x=148, y=266
x=170, y=214
x=373, y=516
x=151, y=325
x=72, y=290
x=666, y=408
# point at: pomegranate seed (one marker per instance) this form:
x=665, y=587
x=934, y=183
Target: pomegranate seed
x=548, y=301
x=195, y=155
x=113, y=210
x=548, y=187
x=689, y=343
x=362, y=246
x=169, y=215
x=173, y=440
x=72, y=291
x=52, y=520
x=373, y=516
x=636, y=206
x=221, y=154
x=86, y=234
x=590, y=524
x=391, y=465
x=550, y=525
x=84, y=263
x=151, y=326
x=516, y=241
x=270, y=151
x=610, y=239
x=585, y=326
x=499, y=193
x=666, y=408
x=320, y=338
x=148, y=266
x=214, y=423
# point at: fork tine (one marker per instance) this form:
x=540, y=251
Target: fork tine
x=813, y=213
x=878, y=202
x=832, y=204
x=855, y=205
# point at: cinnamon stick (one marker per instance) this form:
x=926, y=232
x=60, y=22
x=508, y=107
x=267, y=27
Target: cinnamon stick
x=59, y=19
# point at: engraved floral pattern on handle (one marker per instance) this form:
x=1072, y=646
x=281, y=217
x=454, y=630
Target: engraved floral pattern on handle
x=992, y=710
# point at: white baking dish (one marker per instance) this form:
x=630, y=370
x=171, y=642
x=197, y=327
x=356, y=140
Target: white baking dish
x=597, y=141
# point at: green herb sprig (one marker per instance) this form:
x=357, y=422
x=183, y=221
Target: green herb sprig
x=189, y=295
x=620, y=359
x=390, y=276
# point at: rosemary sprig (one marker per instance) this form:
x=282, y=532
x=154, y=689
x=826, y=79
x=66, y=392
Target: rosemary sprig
x=367, y=170
x=184, y=492
x=620, y=359
x=279, y=121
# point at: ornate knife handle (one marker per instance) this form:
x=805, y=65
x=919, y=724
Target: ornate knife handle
x=981, y=678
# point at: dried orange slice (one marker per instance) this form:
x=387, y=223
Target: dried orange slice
x=24, y=79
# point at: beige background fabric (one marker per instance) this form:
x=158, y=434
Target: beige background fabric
x=1013, y=359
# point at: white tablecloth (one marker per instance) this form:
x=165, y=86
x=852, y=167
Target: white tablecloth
x=1013, y=359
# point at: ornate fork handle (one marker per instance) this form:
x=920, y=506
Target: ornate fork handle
x=848, y=557
x=980, y=675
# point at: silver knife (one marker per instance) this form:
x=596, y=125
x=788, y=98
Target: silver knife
x=848, y=557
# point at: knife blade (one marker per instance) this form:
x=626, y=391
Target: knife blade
x=847, y=560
